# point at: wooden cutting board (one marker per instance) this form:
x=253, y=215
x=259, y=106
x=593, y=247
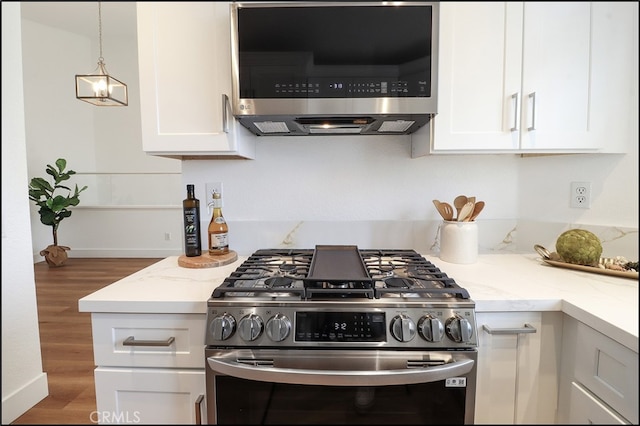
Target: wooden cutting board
x=207, y=261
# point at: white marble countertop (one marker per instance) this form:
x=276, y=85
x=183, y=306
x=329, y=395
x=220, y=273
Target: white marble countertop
x=497, y=283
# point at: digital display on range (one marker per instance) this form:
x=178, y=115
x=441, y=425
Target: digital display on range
x=340, y=327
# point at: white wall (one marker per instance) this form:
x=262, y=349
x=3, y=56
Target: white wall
x=132, y=200
x=367, y=190
x=23, y=381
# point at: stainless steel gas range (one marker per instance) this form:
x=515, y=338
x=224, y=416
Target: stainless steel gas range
x=340, y=335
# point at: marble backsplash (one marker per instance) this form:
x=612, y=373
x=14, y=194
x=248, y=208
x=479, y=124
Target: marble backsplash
x=494, y=236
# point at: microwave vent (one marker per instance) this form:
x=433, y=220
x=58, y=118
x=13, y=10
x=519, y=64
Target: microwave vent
x=397, y=126
x=272, y=127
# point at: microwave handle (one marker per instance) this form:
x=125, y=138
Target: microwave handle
x=339, y=377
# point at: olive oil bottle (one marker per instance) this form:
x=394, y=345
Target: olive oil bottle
x=191, y=215
x=218, y=229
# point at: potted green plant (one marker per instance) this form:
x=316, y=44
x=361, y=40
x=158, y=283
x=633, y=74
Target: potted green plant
x=54, y=207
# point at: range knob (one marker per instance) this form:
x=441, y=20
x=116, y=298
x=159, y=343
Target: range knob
x=459, y=329
x=250, y=327
x=278, y=327
x=431, y=328
x=403, y=328
x=223, y=326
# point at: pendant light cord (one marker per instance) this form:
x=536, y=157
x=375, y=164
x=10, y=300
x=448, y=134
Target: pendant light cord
x=101, y=58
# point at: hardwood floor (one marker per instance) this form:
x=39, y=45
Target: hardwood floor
x=65, y=335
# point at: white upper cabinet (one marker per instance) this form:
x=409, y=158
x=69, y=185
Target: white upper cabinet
x=184, y=55
x=533, y=77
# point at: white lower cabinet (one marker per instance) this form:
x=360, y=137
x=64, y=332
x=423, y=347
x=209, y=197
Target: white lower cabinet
x=150, y=396
x=150, y=368
x=517, y=366
x=599, y=378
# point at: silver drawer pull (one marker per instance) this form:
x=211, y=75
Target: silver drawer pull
x=131, y=341
x=528, y=328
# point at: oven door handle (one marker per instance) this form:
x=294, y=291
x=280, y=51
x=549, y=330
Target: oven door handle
x=408, y=376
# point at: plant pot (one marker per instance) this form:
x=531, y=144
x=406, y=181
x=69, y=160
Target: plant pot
x=55, y=255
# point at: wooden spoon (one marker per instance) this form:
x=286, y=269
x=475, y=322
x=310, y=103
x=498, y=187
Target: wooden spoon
x=459, y=202
x=445, y=209
x=465, y=211
x=476, y=210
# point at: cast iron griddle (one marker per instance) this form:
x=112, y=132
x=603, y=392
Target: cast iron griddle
x=337, y=264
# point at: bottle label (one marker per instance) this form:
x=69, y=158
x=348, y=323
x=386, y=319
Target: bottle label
x=190, y=220
x=219, y=241
x=219, y=219
x=192, y=231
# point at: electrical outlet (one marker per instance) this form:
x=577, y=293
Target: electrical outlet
x=167, y=236
x=580, y=196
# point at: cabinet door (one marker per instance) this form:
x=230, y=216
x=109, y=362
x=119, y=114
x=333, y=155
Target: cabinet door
x=556, y=69
x=509, y=345
x=150, y=396
x=551, y=77
x=479, y=76
x=184, y=55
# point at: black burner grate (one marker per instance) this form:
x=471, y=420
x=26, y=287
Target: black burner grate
x=335, y=272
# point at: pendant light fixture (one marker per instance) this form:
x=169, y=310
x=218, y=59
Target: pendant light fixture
x=100, y=88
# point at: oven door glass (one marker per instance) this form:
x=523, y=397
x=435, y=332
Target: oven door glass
x=340, y=387
x=241, y=401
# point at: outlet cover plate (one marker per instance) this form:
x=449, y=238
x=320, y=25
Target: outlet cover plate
x=580, y=195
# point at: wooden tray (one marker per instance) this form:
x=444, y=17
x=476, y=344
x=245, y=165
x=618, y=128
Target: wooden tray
x=625, y=274
x=207, y=261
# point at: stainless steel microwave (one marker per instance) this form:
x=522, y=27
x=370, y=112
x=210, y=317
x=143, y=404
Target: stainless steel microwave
x=326, y=68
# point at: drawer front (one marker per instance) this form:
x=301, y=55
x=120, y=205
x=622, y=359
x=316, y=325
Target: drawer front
x=588, y=410
x=148, y=340
x=609, y=370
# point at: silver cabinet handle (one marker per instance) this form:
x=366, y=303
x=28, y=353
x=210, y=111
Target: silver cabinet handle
x=515, y=114
x=532, y=96
x=225, y=105
x=199, y=409
x=528, y=328
x=131, y=341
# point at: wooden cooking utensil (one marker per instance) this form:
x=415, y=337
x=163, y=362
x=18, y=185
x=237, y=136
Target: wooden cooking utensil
x=437, y=204
x=477, y=208
x=459, y=202
x=445, y=209
x=465, y=211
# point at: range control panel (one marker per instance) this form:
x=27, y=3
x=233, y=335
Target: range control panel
x=391, y=327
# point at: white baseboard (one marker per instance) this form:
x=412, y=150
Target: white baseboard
x=20, y=401
x=114, y=253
